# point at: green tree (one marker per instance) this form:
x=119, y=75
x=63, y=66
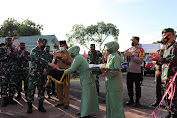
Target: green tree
x=160, y=40
x=155, y=42
x=29, y=28
x=9, y=27
x=94, y=33
x=12, y=27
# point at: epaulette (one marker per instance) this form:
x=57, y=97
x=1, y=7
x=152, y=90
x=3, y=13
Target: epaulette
x=141, y=53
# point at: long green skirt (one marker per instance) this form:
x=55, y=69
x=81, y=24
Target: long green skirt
x=89, y=100
x=114, y=105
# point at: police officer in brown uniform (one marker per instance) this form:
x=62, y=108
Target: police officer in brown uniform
x=135, y=56
x=63, y=60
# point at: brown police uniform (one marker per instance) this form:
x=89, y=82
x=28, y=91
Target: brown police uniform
x=158, y=83
x=63, y=88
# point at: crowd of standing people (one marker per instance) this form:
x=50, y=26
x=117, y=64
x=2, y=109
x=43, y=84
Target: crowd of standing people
x=31, y=68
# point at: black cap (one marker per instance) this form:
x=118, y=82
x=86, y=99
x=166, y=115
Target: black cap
x=135, y=38
x=22, y=44
x=8, y=39
x=62, y=42
x=2, y=44
x=42, y=40
x=47, y=46
x=92, y=45
x=55, y=45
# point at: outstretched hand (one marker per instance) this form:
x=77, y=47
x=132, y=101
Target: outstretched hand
x=155, y=57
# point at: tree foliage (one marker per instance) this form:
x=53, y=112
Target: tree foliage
x=160, y=40
x=155, y=42
x=94, y=33
x=9, y=27
x=12, y=27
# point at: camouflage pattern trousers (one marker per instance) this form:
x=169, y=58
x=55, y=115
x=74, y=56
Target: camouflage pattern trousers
x=8, y=80
x=173, y=108
x=33, y=82
x=22, y=76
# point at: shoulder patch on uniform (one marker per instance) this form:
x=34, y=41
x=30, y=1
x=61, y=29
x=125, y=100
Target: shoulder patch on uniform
x=141, y=53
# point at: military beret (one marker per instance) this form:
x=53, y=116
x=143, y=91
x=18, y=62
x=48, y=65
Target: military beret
x=62, y=42
x=92, y=45
x=135, y=38
x=22, y=44
x=168, y=30
x=2, y=44
x=47, y=46
x=8, y=39
x=42, y=40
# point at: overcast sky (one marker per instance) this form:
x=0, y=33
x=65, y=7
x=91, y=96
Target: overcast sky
x=143, y=18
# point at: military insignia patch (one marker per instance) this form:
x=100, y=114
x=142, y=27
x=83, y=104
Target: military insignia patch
x=141, y=54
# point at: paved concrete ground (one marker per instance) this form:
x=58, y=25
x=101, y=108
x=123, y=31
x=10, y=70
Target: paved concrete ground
x=144, y=111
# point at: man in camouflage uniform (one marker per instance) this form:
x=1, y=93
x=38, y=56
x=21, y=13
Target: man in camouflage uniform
x=37, y=74
x=169, y=67
x=22, y=70
x=1, y=72
x=95, y=57
x=8, y=57
x=49, y=59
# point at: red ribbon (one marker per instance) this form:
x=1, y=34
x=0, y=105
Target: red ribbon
x=171, y=95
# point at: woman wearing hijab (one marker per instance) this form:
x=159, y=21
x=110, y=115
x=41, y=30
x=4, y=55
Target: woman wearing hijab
x=89, y=98
x=114, y=83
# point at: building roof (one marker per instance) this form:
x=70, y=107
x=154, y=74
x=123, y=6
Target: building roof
x=31, y=41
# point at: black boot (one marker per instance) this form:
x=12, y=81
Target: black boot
x=18, y=96
x=11, y=101
x=174, y=115
x=30, y=107
x=130, y=102
x=48, y=93
x=137, y=103
x=155, y=104
x=4, y=102
x=40, y=107
x=26, y=96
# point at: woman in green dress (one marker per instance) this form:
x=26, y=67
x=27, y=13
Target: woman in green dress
x=114, y=83
x=89, y=98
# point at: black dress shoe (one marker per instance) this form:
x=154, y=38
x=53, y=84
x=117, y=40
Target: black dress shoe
x=59, y=105
x=49, y=97
x=11, y=101
x=137, y=104
x=18, y=96
x=78, y=114
x=154, y=104
x=130, y=102
x=66, y=106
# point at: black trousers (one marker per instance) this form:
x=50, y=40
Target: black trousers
x=158, y=86
x=131, y=78
x=53, y=87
